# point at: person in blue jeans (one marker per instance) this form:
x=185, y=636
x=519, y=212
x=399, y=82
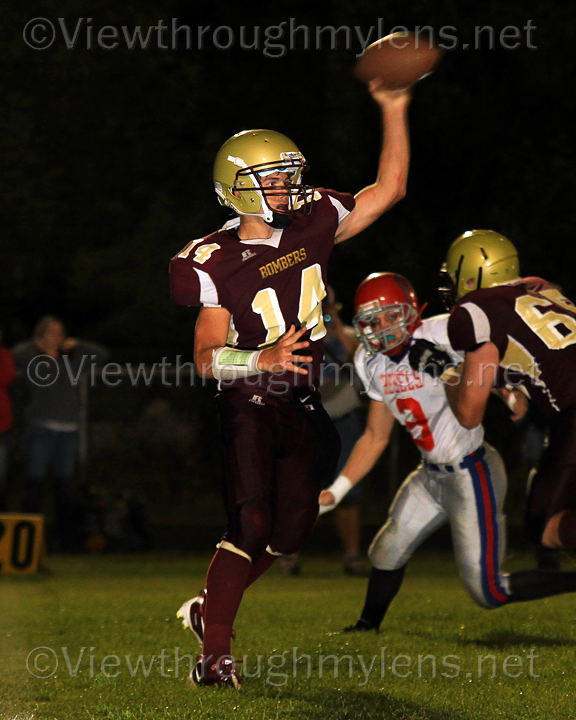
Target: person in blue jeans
x=52, y=365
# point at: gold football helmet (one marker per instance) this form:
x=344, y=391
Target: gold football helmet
x=477, y=259
x=245, y=159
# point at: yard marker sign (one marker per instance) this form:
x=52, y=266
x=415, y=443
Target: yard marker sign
x=21, y=537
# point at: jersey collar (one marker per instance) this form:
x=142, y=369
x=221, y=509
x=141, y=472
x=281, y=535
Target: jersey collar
x=273, y=241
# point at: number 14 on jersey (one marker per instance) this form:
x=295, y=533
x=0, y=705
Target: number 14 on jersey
x=312, y=292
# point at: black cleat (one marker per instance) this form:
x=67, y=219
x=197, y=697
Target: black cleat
x=361, y=626
x=220, y=674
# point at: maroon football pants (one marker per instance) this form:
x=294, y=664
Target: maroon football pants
x=553, y=488
x=279, y=450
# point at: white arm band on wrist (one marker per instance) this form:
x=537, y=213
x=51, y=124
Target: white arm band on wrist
x=340, y=487
x=229, y=363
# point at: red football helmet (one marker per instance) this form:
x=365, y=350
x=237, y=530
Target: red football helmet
x=387, y=312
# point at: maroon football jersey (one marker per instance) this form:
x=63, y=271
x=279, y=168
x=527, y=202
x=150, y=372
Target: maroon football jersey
x=266, y=285
x=534, y=328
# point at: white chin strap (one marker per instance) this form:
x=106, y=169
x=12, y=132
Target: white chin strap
x=268, y=214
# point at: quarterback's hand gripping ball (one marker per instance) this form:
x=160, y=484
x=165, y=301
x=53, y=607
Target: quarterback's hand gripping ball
x=398, y=61
x=426, y=357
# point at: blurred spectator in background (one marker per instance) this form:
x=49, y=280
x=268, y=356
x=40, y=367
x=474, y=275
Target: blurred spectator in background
x=7, y=374
x=119, y=525
x=341, y=400
x=52, y=366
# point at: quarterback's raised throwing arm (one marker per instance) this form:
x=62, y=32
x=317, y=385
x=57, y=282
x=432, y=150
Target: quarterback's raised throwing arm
x=390, y=185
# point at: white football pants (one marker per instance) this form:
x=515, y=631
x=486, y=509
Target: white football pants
x=469, y=495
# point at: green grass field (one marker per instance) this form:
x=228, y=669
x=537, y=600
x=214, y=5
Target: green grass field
x=121, y=607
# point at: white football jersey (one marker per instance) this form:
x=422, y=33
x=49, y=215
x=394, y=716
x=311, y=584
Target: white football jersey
x=417, y=400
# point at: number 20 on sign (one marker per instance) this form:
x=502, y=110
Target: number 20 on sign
x=20, y=542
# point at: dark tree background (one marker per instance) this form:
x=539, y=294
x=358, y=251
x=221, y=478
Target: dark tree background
x=106, y=159
x=106, y=154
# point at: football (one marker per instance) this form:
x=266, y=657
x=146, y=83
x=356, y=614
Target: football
x=398, y=60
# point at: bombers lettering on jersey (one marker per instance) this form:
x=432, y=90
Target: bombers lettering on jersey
x=266, y=294
x=283, y=263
